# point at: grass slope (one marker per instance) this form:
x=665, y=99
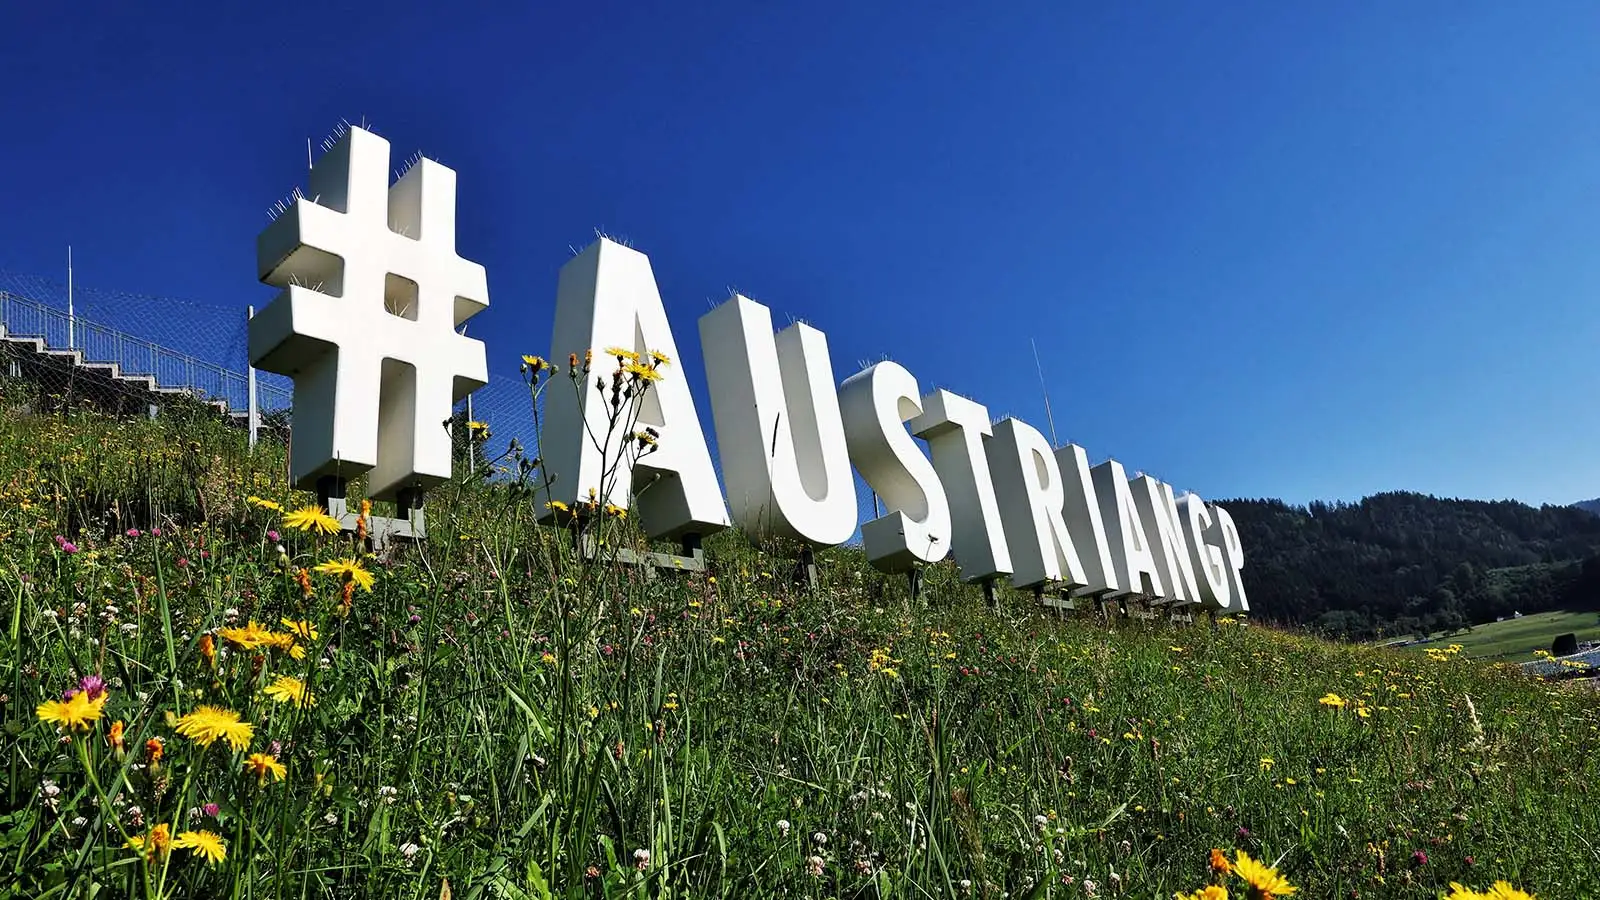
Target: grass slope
x=498, y=713
x=1515, y=640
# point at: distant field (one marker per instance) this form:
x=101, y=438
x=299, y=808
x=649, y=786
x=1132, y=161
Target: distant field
x=1514, y=640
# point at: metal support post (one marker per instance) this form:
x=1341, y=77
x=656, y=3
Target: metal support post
x=255, y=418
x=472, y=452
x=71, y=318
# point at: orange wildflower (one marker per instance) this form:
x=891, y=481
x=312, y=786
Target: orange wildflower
x=114, y=736
x=153, y=749
x=208, y=649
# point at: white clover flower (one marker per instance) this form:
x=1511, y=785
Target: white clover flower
x=814, y=866
x=409, y=850
x=820, y=839
x=641, y=859
x=783, y=827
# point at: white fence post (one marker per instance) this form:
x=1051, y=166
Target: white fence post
x=251, y=377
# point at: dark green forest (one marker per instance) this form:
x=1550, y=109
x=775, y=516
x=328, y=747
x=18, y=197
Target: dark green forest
x=1400, y=563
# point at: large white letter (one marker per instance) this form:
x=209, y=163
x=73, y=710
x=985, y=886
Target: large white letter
x=1028, y=484
x=1226, y=536
x=1163, y=537
x=1125, y=534
x=779, y=432
x=1209, y=562
x=608, y=298
x=1084, y=521
x=875, y=403
x=955, y=428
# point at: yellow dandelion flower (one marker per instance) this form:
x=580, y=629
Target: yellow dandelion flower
x=312, y=518
x=348, y=569
x=263, y=765
x=260, y=503
x=283, y=642
x=74, y=713
x=300, y=628
x=1504, y=891
x=207, y=724
x=1457, y=892
x=253, y=636
x=659, y=358
x=622, y=355
x=1209, y=892
x=154, y=844
x=202, y=843
x=1333, y=700
x=1265, y=882
x=288, y=689
x=558, y=506
x=642, y=372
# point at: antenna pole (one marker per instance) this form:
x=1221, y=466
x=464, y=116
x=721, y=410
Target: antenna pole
x=1046, y=391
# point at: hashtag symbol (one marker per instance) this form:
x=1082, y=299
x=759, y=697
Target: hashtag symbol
x=365, y=324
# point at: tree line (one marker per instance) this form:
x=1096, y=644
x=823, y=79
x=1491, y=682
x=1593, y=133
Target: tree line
x=1403, y=563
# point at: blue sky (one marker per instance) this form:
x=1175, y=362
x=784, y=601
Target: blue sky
x=1265, y=249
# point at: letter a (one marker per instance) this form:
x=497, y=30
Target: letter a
x=779, y=430
x=608, y=298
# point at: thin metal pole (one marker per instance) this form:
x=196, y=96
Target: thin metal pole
x=472, y=455
x=251, y=375
x=71, y=343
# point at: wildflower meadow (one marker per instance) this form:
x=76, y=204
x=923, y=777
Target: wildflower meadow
x=210, y=690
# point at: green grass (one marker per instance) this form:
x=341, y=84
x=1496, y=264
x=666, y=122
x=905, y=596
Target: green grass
x=1515, y=640
x=501, y=714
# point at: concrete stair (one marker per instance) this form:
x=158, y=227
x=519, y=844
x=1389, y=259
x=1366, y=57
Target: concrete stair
x=102, y=383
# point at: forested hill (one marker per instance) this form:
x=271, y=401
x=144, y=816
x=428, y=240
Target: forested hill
x=1401, y=562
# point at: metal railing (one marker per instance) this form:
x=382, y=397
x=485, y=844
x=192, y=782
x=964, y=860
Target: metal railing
x=96, y=344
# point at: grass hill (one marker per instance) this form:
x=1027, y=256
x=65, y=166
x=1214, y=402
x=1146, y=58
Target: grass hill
x=1401, y=563
x=1518, y=640
x=262, y=710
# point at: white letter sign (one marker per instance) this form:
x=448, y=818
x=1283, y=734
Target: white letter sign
x=779, y=430
x=875, y=404
x=607, y=297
